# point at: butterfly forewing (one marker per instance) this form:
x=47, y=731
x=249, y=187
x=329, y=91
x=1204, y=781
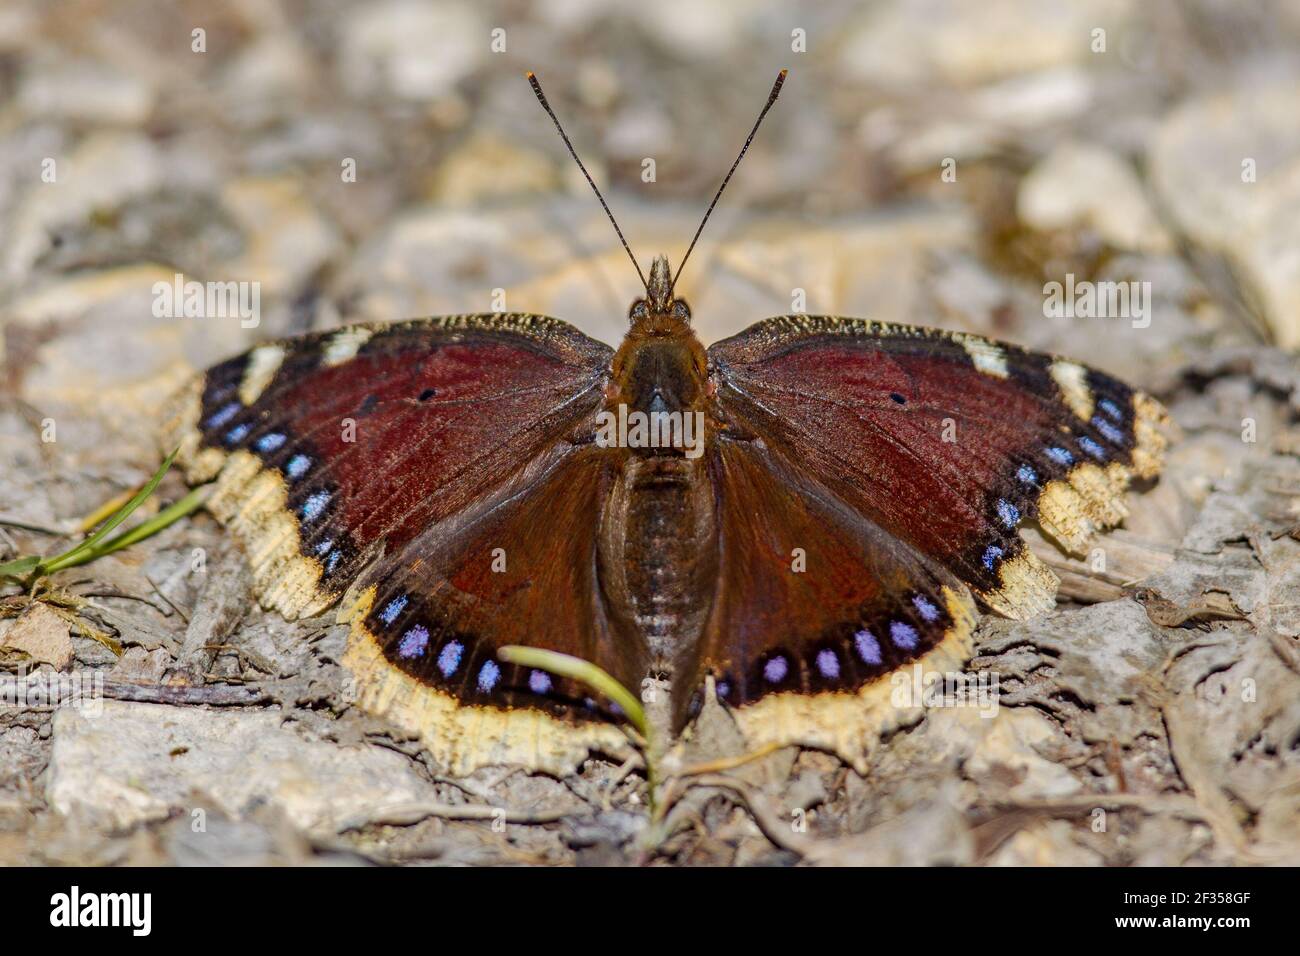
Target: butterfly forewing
x=332, y=447
x=946, y=441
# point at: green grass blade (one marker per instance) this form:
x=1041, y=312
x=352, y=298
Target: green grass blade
x=19, y=567
x=566, y=665
x=65, y=560
x=169, y=515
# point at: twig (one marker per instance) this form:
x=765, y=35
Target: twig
x=28, y=526
x=408, y=814
x=727, y=763
x=774, y=828
x=1178, y=804
x=214, y=695
x=125, y=596
x=168, y=601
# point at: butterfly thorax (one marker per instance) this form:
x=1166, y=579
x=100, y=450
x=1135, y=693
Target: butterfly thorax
x=659, y=374
x=661, y=367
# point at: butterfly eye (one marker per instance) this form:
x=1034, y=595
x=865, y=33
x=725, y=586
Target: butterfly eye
x=638, y=310
x=681, y=309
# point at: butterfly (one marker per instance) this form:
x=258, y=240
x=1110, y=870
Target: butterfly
x=780, y=521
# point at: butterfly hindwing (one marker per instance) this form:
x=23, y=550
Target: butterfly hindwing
x=333, y=446
x=946, y=441
x=518, y=567
x=813, y=609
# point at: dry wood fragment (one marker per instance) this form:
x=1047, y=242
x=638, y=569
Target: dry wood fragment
x=1128, y=559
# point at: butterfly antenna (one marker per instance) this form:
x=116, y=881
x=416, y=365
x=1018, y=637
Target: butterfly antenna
x=541, y=98
x=771, y=98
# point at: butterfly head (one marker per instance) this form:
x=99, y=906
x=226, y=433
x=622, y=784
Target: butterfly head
x=659, y=300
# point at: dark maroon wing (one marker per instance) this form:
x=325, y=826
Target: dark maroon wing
x=516, y=567
x=329, y=446
x=947, y=442
x=413, y=464
x=814, y=608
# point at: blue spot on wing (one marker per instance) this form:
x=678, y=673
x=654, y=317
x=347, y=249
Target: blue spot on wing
x=868, y=647
x=991, y=556
x=774, y=670
x=828, y=665
x=394, y=607
x=1092, y=448
x=488, y=676
x=1108, y=431
x=1060, y=455
x=223, y=415
x=269, y=442
x=449, y=657
x=903, y=635
x=925, y=607
x=413, y=642
x=1111, y=409
x=315, y=504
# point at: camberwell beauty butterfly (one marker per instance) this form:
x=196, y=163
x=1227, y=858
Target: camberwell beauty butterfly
x=781, y=520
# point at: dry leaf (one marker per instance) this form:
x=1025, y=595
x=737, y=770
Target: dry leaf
x=43, y=635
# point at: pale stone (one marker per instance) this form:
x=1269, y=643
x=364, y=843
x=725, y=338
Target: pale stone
x=105, y=170
x=918, y=41
x=695, y=29
x=434, y=261
x=487, y=168
x=113, y=352
x=1082, y=185
x=1029, y=102
x=288, y=238
x=136, y=763
x=1048, y=843
x=410, y=50
x=1011, y=740
x=1196, y=161
x=86, y=92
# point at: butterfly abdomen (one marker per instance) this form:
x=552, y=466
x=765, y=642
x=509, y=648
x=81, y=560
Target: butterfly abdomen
x=666, y=556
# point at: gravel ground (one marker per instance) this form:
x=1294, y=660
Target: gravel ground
x=930, y=162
